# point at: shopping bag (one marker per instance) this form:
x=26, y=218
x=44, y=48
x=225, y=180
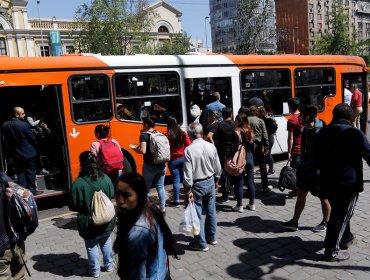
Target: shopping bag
x=189, y=222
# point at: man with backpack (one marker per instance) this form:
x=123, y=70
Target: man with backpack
x=12, y=248
x=307, y=171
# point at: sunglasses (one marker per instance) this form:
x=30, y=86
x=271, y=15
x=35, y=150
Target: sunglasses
x=122, y=194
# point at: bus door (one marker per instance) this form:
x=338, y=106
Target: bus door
x=43, y=106
x=361, y=82
x=199, y=91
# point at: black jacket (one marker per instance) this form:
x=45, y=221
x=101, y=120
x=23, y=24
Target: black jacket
x=339, y=152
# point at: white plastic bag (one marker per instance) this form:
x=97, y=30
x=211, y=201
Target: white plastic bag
x=189, y=222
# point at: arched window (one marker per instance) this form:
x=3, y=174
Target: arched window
x=2, y=46
x=163, y=29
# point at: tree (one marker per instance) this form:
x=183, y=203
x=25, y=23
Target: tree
x=338, y=41
x=256, y=26
x=178, y=44
x=110, y=27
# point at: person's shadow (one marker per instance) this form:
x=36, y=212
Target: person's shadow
x=263, y=256
x=66, y=265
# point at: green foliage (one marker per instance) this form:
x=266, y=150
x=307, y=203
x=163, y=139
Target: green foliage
x=110, y=28
x=178, y=44
x=339, y=41
x=255, y=25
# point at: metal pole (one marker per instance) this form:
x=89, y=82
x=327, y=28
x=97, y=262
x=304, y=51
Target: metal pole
x=42, y=37
x=205, y=28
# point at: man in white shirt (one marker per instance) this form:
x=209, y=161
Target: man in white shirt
x=202, y=170
x=347, y=95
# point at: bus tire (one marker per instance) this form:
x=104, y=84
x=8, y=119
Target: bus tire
x=128, y=162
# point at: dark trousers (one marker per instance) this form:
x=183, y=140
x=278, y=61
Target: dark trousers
x=269, y=158
x=342, y=206
x=26, y=172
x=261, y=159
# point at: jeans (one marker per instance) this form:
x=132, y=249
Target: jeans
x=204, y=194
x=105, y=243
x=26, y=172
x=261, y=159
x=176, y=169
x=154, y=174
x=237, y=182
x=249, y=178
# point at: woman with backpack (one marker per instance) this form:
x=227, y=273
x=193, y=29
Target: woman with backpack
x=153, y=173
x=90, y=180
x=144, y=240
x=179, y=140
x=243, y=126
x=108, y=151
x=271, y=127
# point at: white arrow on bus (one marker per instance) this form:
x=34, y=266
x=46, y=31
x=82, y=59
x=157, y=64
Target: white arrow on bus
x=74, y=134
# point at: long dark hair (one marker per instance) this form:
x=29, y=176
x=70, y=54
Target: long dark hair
x=152, y=214
x=89, y=165
x=244, y=125
x=176, y=135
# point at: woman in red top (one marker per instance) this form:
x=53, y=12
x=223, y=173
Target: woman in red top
x=356, y=104
x=179, y=140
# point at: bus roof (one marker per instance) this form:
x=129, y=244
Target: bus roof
x=8, y=64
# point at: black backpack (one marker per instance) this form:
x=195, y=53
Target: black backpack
x=287, y=178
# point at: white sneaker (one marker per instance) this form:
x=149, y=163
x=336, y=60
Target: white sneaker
x=251, y=207
x=238, y=209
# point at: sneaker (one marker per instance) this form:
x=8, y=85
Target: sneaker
x=238, y=209
x=38, y=192
x=107, y=269
x=223, y=200
x=320, y=227
x=250, y=207
x=44, y=172
x=214, y=242
x=292, y=193
x=163, y=210
x=291, y=225
x=346, y=245
x=196, y=247
x=271, y=172
x=336, y=257
x=176, y=204
x=268, y=189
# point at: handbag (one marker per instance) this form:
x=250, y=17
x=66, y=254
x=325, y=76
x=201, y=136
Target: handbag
x=287, y=178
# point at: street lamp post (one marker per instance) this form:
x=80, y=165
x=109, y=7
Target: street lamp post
x=42, y=37
x=205, y=28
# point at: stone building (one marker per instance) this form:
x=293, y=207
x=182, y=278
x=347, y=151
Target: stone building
x=21, y=35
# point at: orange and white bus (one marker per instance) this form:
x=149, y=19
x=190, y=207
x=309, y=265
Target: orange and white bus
x=77, y=92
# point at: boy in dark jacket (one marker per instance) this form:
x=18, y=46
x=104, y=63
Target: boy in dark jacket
x=307, y=171
x=339, y=154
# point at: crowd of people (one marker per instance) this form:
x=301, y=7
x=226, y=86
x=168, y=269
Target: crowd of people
x=196, y=159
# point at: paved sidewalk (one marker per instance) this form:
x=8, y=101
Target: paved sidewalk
x=251, y=245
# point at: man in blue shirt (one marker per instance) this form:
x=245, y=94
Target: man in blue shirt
x=216, y=105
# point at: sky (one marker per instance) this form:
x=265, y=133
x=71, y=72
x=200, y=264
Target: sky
x=193, y=13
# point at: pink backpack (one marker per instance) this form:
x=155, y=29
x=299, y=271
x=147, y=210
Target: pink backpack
x=110, y=156
x=235, y=164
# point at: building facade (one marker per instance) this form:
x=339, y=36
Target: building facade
x=22, y=36
x=299, y=22
x=225, y=29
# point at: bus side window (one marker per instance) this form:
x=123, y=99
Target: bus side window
x=273, y=86
x=313, y=85
x=90, y=98
x=142, y=94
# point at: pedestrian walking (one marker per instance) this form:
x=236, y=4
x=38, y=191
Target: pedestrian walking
x=202, y=171
x=90, y=180
x=356, y=104
x=179, y=140
x=144, y=240
x=307, y=171
x=153, y=173
x=339, y=154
